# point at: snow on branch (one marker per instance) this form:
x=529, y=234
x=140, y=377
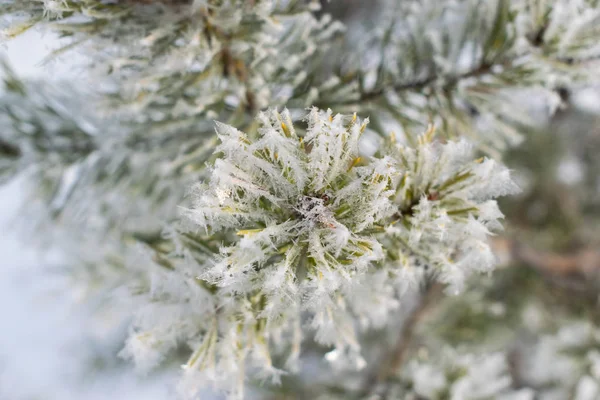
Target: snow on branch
x=308, y=226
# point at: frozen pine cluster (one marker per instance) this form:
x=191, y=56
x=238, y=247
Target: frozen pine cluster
x=317, y=241
x=446, y=210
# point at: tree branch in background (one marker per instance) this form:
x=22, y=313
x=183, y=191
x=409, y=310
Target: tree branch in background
x=582, y=265
x=394, y=359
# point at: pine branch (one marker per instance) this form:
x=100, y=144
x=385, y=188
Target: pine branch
x=394, y=359
x=420, y=85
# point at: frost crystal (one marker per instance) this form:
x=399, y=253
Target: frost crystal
x=446, y=210
x=300, y=231
x=303, y=208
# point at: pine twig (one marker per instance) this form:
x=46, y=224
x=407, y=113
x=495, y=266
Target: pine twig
x=397, y=356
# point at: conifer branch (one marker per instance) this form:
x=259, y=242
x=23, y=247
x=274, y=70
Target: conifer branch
x=393, y=360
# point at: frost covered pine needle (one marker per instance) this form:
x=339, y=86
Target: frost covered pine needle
x=312, y=228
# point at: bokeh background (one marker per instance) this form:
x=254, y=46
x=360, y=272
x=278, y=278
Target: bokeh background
x=52, y=344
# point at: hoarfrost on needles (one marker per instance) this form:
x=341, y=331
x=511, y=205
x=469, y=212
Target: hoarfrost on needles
x=306, y=224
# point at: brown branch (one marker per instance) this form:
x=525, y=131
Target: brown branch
x=394, y=359
x=583, y=264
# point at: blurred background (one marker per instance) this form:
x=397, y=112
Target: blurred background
x=53, y=345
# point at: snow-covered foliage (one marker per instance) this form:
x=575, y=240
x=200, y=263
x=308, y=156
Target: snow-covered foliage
x=455, y=376
x=566, y=364
x=165, y=71
x=472, y=67
x=181, y=64
x=40, y=122
x=446, y=209
x=305, y=228
x=302, y=229
x=303, y=209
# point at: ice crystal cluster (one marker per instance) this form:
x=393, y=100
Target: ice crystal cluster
x=445, y=209
x=316, y=241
